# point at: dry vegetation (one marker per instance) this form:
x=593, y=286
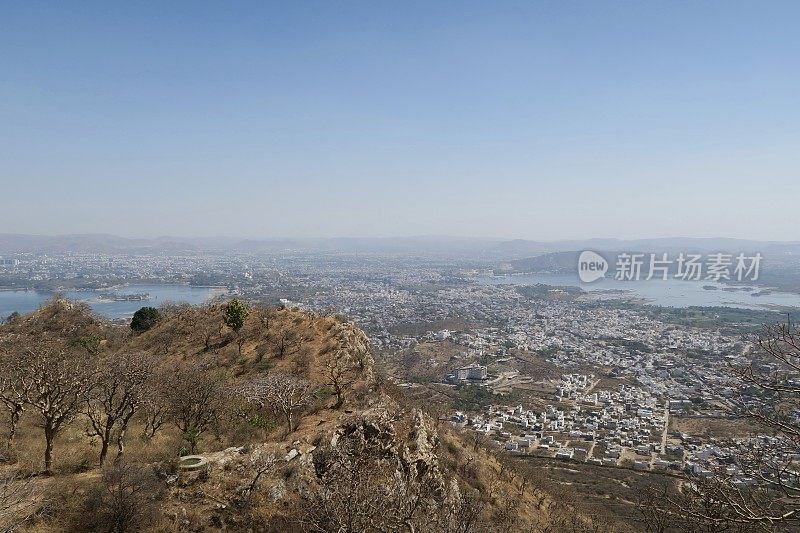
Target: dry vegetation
x=715, y=427
x=299, y=431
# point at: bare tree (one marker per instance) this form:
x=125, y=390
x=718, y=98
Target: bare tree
x=266, y=318
x=286, y=343
x=709, y=506
x=653, y=515
x=260, y=463
x=55, y=383
x=116, y=395
x=765, y=493
x=769, y=395
x=211, y=330
x=663, y=507
x=283, y=393
x=340, y=375
x=12, y=395
x=195, y=396
x=243, y=335
x=155, y=404
x=155, y=413
x=362, y=357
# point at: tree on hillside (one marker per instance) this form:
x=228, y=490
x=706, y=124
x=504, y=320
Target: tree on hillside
x=144, y=319
x=209, y=331
x=194, y=397
x=61, y=319
x=362, y=358
x=260, y=463
x=689, y=507
x=283, y=393
x=92, y=344
x=55, y=383
x=12, y=395
x=340, y=374
x=155, y=412
x=115, y=396
x=234, y=316
x=286, y=343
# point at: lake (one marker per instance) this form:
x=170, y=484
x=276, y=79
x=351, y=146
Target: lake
x=27, y=301
x=669, y=293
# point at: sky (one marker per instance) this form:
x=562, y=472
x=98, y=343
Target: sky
x=540, y=120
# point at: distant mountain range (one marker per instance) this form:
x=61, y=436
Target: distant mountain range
x=522, y=248
x=103, y=243
x=441, y=246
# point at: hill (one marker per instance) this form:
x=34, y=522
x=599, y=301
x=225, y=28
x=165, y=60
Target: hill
x=288, y=423
x=424, y=246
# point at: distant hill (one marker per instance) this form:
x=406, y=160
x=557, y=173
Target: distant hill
x=103, y=243
x=522, y=248
x=426, y=245
x=777, y=255
x=552, y=262
x=433, y=246
x=88, y=243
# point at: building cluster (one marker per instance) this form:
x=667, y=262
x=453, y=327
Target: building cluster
x=610, y=427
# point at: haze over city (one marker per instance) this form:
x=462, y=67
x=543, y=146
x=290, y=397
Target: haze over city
x=542, y=120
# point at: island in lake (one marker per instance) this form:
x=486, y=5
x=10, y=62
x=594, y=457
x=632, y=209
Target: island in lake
x=115, y=297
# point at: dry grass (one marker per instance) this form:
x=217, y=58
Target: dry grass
x=715, y=427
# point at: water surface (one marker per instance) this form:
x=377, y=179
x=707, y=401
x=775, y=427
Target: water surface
x=28, y=301
x=670, y=293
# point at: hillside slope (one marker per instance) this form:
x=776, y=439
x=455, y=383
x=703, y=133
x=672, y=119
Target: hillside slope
x=296, y=429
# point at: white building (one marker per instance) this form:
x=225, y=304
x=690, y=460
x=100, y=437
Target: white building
x=471, y=372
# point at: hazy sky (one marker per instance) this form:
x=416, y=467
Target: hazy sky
x=541, y=120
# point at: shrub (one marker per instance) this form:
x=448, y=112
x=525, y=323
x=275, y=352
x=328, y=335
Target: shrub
x=235, y=314
x=125, y=499
x=144, y=319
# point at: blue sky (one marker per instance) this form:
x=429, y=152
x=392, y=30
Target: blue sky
x=541, y=120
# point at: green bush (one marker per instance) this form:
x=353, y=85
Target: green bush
x=144, y=319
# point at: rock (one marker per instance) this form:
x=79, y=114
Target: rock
x=226, y=456
x=277, y=491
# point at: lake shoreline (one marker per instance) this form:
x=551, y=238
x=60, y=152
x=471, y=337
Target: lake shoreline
x=666, y=293
x=26, y=300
